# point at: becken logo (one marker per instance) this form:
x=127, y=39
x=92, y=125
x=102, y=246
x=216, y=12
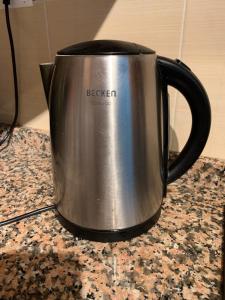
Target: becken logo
x=101, y=93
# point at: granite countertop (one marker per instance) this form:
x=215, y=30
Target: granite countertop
x=179, y=258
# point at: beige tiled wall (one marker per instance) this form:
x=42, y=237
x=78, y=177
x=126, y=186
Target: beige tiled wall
x=188, y=29
x=203, y=49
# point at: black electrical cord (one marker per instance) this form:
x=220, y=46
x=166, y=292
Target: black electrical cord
x=9, y=131
x=27, y=215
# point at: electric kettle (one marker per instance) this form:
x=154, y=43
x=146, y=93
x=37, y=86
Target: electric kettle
x=109, y=121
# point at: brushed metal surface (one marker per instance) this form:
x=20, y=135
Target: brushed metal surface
x=104, y=119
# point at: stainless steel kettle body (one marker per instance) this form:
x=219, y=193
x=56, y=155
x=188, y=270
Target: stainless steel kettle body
x=108, y=122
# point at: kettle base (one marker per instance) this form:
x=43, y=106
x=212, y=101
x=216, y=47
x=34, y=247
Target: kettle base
x=109, y=235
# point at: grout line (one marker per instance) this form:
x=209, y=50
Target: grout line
x=180, y=52
x=182, y=30
x=47, y=30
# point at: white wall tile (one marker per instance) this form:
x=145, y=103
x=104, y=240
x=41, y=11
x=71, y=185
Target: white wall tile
x=204, y=51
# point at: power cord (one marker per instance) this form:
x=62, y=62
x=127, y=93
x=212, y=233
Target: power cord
x=9, y=132
x=27, y=215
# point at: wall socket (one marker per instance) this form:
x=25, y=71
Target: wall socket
x=18, y=3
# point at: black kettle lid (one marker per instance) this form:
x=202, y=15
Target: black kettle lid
x=105, y=47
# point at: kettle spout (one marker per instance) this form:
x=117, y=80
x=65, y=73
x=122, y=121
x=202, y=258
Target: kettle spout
x=46, y=75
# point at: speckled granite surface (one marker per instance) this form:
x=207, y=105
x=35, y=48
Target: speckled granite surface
x=179, y=258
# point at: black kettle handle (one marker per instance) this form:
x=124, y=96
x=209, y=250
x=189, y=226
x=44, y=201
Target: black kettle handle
x=178, y=75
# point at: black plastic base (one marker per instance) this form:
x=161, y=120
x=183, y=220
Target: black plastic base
x=109, y=235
